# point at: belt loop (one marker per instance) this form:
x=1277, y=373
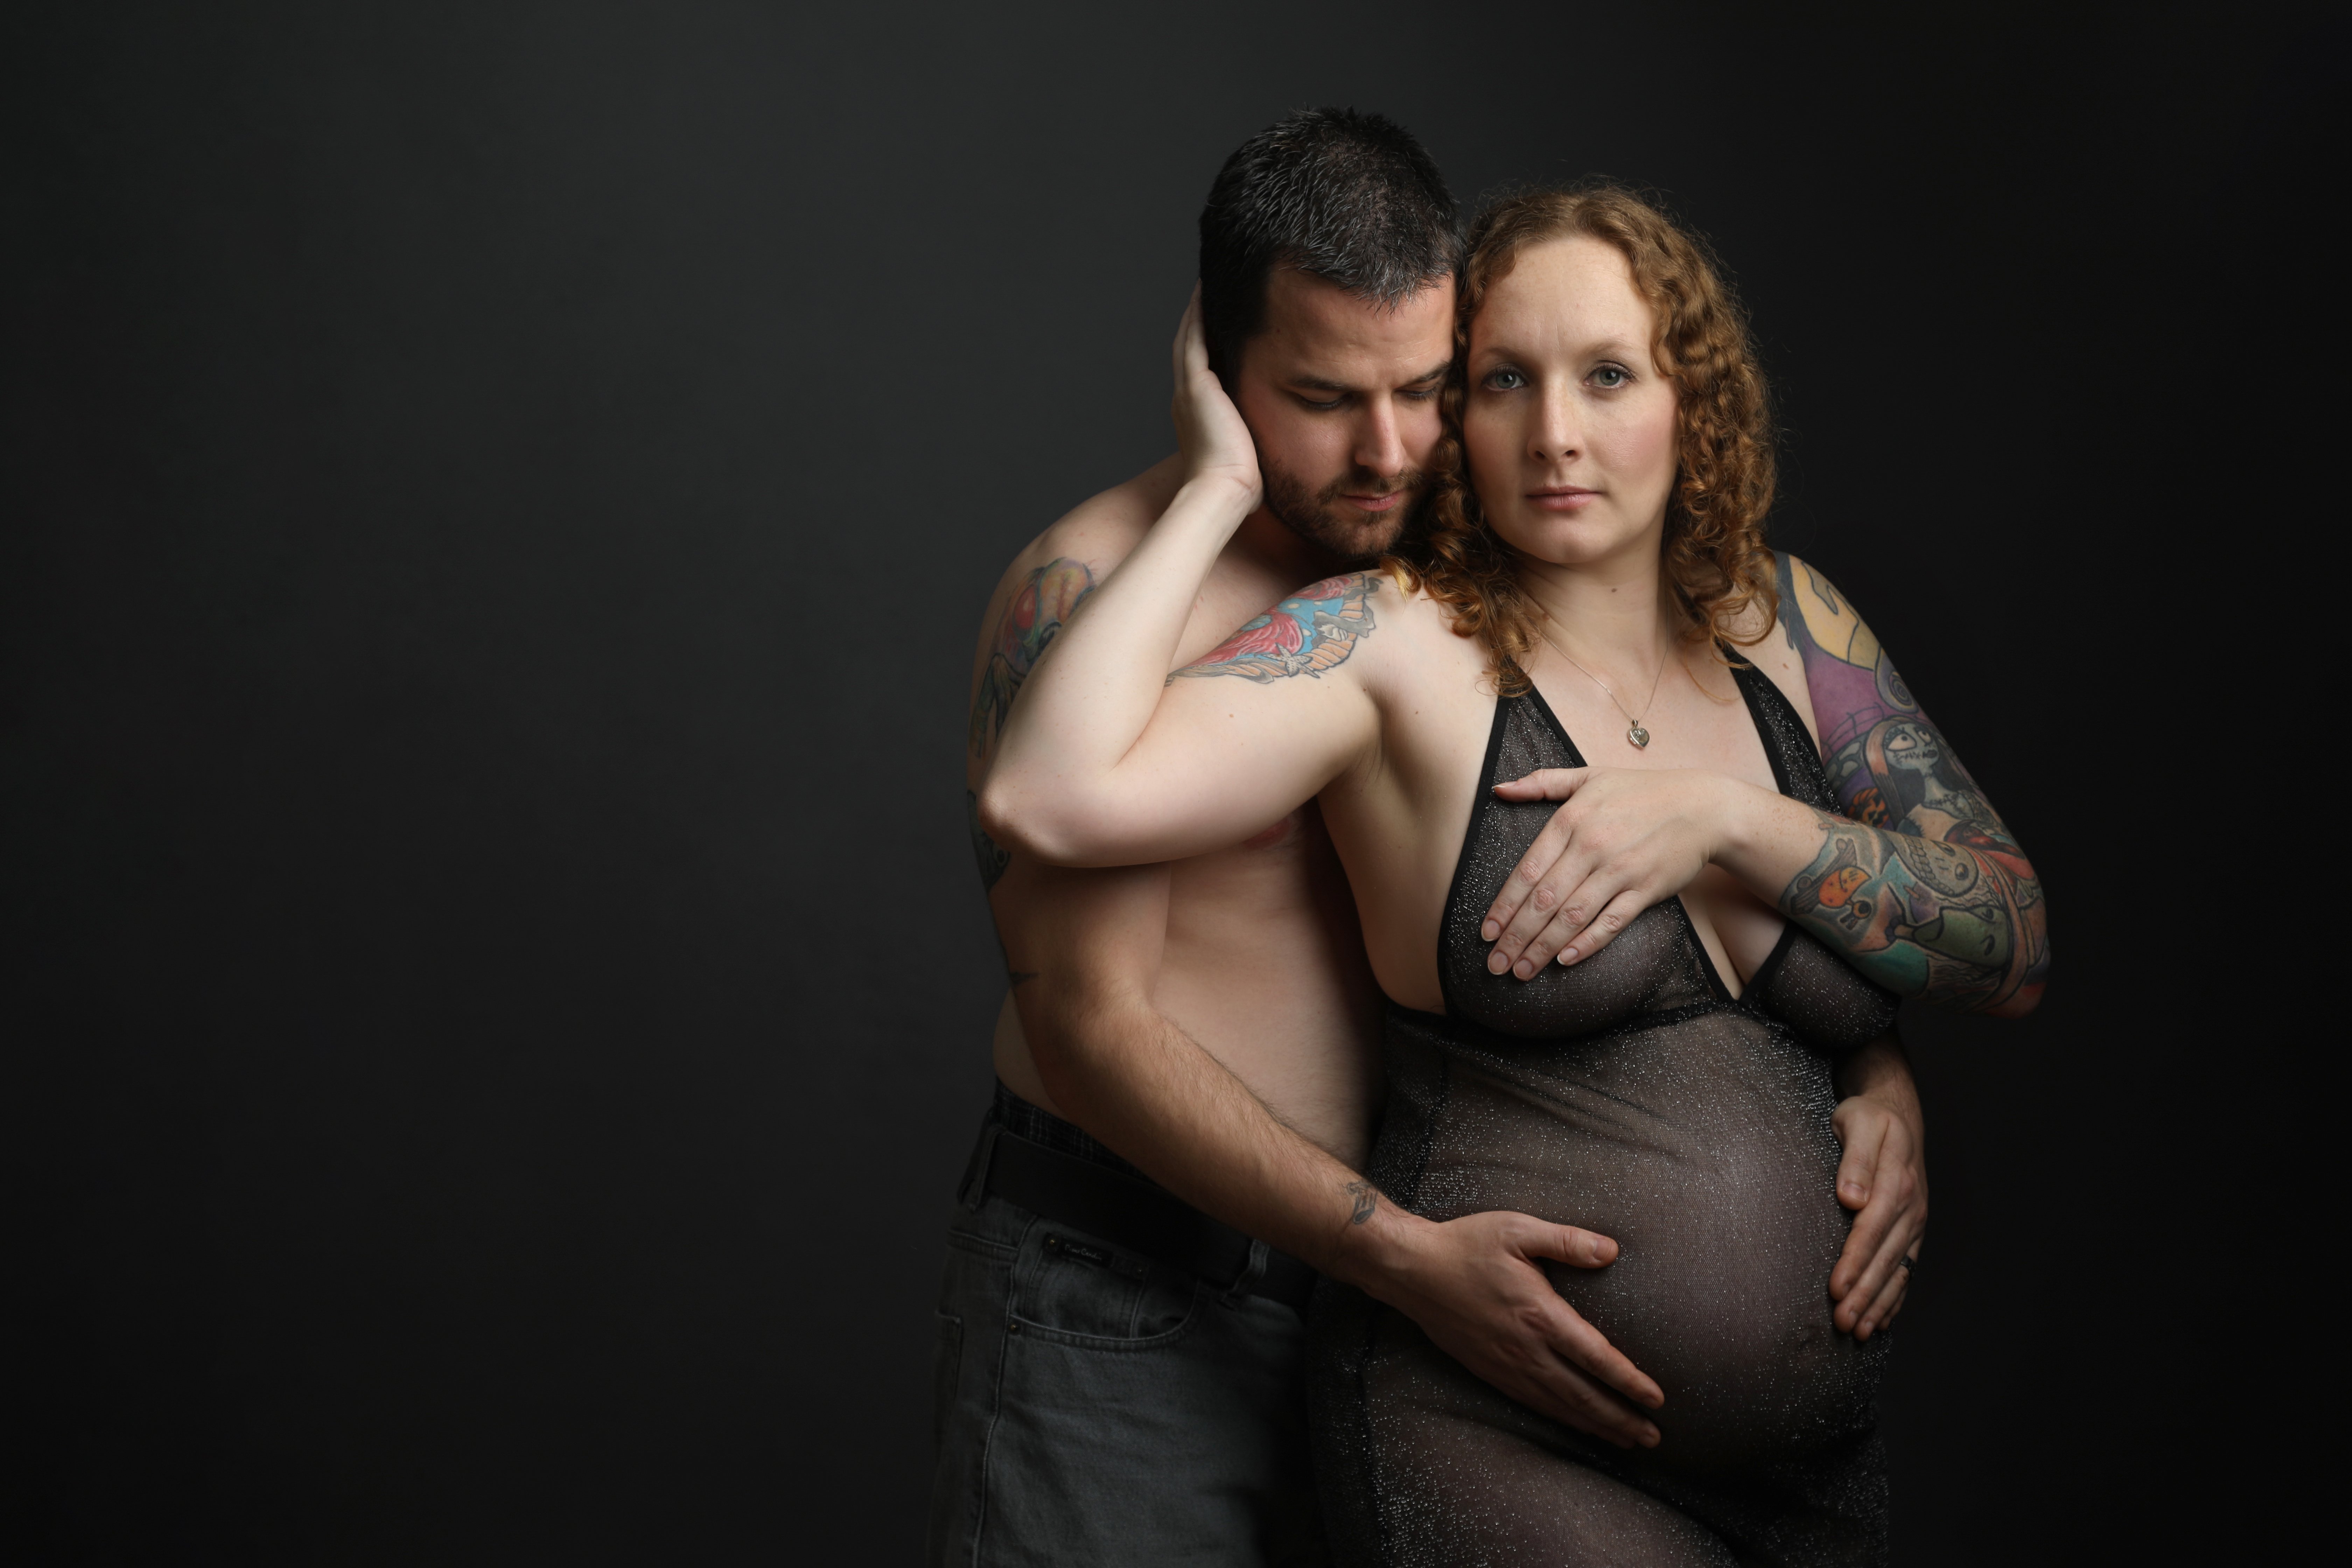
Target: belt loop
x=975, y=1175
x=1253, y=1271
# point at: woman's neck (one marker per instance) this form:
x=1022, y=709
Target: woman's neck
x=1614, y=612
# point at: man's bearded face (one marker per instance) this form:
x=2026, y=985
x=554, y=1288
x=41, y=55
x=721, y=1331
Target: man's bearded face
x=1341, y=396
x=1327, y=519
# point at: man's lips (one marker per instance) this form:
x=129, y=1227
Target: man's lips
x=1374, y=503
x=1561, y=498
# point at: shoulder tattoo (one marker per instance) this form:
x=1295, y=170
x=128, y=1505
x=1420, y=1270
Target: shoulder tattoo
x=1045, y=599
x=1313, y=630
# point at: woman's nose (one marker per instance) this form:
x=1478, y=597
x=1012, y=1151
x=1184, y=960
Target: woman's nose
x=1555, y=438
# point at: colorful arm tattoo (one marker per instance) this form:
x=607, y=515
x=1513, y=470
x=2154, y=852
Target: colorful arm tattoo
x=1046, y=599
x=1920, y=884
x=1313, y=630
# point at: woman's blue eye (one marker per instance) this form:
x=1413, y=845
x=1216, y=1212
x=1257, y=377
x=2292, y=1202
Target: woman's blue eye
x=1610, y=376
x=1504, y=381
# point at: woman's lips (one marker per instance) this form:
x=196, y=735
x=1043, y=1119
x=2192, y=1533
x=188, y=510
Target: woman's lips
x=1561, y=498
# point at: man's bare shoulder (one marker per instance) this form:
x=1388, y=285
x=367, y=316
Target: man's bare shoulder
x=1099, y=530
x=1045, y=582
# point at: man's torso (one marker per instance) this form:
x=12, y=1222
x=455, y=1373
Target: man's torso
x=1254, y=950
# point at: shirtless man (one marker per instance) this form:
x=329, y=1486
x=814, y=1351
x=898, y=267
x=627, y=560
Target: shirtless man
x=1119, y=1372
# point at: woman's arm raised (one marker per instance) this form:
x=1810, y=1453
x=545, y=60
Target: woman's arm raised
x=1106, y=758
x=1920, y=884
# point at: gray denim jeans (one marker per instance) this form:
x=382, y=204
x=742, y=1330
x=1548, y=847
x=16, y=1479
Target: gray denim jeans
x=1096, y=1409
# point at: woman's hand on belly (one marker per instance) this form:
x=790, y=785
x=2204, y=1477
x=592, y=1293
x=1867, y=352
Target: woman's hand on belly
x=1474, y=1287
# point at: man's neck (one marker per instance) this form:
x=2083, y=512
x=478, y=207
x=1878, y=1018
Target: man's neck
x=1265, y=544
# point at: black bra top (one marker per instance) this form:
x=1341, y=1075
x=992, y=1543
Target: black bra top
x=1656, y=966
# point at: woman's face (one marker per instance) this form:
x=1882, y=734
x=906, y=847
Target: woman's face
x=1569, y=427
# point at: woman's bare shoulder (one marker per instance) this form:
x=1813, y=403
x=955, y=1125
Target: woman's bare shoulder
x=1760, y=634
x=1360, y=626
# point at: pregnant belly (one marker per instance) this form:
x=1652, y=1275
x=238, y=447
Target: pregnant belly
x=1706, y=1150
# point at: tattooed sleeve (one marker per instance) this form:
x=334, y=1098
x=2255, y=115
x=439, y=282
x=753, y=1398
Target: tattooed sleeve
x=1920, y=883
x=1027, y=627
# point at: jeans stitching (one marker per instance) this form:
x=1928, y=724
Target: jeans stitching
x=986, y=1247
x=1028, y=1274
x=1161, y=1340
x=995, y=1411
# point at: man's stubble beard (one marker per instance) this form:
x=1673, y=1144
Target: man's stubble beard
x=1321, y=518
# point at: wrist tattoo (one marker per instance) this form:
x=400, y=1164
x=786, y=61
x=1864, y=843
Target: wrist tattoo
x=1367, y=1199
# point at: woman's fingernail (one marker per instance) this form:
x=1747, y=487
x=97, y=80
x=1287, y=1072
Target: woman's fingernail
x=1524, y=969
x=1490, y=931
x=1496, y=964
x=1569, y=953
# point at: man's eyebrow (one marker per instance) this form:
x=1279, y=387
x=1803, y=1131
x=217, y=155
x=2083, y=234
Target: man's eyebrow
x=1317, y=383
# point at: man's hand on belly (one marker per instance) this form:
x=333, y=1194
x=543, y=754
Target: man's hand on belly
x=1474, y=1287
x=1883, y=1176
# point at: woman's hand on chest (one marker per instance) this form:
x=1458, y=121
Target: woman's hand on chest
x=1624, y=838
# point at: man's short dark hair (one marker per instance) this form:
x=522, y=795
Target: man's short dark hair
x=1347, y=197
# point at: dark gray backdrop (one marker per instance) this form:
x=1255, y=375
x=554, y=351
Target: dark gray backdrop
x=498, y=504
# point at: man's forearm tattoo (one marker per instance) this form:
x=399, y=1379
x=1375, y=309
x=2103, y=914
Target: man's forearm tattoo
x=1046, y=599
x=1367, y=1200
x=1313, y=630
x=1920, y=883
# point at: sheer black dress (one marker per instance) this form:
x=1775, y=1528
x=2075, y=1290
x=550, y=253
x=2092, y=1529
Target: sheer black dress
x=1630, y=1095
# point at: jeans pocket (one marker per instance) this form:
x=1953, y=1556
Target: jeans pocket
x=947, y=1366
x=1081, y=1289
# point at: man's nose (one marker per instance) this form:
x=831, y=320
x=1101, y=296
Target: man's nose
x=1380, y=444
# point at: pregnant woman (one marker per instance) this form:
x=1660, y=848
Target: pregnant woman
x=1620, y=1012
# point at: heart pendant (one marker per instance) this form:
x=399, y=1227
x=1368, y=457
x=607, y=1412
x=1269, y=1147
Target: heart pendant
x=1639, y=736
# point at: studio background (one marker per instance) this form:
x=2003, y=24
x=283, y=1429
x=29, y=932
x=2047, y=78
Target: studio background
x=498, y=503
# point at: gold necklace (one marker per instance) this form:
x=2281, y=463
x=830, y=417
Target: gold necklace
x=1634, y=731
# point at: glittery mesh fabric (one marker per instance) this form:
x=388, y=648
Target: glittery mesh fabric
x=1630, y=1095
x=1803, y=983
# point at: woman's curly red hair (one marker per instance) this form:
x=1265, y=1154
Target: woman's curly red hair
x=1715, y=553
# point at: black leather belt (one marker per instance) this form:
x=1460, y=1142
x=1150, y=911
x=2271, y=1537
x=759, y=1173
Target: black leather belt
x=1138, y=1217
